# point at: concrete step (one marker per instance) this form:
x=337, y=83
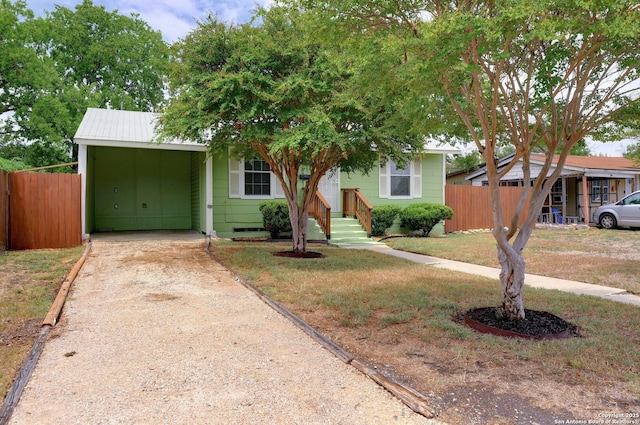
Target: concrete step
x=349, y=232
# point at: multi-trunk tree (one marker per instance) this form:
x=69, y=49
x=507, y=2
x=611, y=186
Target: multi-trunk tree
x=271, y=90
x=539, y=76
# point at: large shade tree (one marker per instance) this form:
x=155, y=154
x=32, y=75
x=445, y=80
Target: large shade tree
x=54, y=67
x=540, y=76
x=269, y=89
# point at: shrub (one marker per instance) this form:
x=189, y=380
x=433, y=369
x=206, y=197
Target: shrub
x=382, y=218
x=275, y=217
x=423, y=217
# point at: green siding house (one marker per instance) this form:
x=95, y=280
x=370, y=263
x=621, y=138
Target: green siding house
x=132, y=182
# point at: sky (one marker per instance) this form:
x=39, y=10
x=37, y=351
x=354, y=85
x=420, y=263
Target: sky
x=175, y=19
x=610, y=148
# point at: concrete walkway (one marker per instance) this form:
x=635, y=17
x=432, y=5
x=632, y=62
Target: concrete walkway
x=535, y=281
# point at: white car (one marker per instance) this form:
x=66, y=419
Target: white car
x=624, y=213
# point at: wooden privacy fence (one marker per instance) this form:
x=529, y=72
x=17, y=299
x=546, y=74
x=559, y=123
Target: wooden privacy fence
x=472, y=206
x=4, y=210
x=44, y=210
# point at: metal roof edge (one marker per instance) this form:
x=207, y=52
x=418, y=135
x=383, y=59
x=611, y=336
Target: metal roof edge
x=142, y=145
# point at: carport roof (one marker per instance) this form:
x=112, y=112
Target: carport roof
x=114, y=128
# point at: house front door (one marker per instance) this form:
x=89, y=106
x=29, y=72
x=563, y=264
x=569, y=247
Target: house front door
x=329, y=186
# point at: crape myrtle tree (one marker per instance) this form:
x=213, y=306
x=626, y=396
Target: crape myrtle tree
x=539, y=76
x=269, y=89
x=54, y=67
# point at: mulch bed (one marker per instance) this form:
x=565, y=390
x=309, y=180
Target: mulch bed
x=535, y=325
x=292, y=254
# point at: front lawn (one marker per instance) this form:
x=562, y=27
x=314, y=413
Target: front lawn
x=603, y=257
x=398, y=316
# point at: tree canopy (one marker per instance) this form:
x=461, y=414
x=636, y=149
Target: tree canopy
x=633, y=153
x=53, y=68
x=270, y=89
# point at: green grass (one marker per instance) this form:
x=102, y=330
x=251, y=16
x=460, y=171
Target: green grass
x=28, y=286
x=603, y=257
x=351, y=293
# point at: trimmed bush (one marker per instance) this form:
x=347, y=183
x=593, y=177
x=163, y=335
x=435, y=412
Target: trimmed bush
x=382, y=218
x=275, y=217
x=424, y=217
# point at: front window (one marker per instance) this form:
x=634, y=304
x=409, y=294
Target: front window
x=400, y=179
x=257, y=178
x=599, y=191
x=401, y=182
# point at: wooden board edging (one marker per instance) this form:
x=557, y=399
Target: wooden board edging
x=56, y=308
x=15, y=392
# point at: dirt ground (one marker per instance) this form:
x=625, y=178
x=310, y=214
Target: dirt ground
x=156, y=332
x=480, y=395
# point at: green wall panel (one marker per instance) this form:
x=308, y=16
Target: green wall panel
x=432, y=183
x=198, y=196
x=231, y=213
x=142, y=189
x=432, y=187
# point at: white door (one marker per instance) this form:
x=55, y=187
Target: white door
x=329, y=186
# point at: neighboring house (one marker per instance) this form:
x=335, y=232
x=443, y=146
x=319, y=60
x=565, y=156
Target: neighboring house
x=131, y=182
x=459, y=177
x=585, y=181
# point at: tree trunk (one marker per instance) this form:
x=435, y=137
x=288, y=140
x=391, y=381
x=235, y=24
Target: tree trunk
x=299, y=229
x=512, y=281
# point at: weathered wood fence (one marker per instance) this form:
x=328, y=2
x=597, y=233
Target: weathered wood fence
x=43, y=210
x=4, y=210
x=472, y=206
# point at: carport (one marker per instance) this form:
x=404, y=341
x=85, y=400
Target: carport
x=130, y=181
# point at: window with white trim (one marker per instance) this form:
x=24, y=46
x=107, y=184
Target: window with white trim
x=397, y=182
x=257, y=178
x=600, y=191
x=249, y=179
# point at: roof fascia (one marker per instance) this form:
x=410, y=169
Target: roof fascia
x=191, y=147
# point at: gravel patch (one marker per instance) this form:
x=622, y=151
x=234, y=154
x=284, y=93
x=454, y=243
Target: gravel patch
x=156, y=332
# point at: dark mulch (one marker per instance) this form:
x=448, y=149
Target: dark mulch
x=293, y=254
x=268, y=239
x=535, y=324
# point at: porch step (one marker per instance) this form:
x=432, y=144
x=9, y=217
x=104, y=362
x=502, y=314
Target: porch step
x=348, y=231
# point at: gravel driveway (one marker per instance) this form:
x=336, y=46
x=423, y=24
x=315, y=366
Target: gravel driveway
x=156, y=332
